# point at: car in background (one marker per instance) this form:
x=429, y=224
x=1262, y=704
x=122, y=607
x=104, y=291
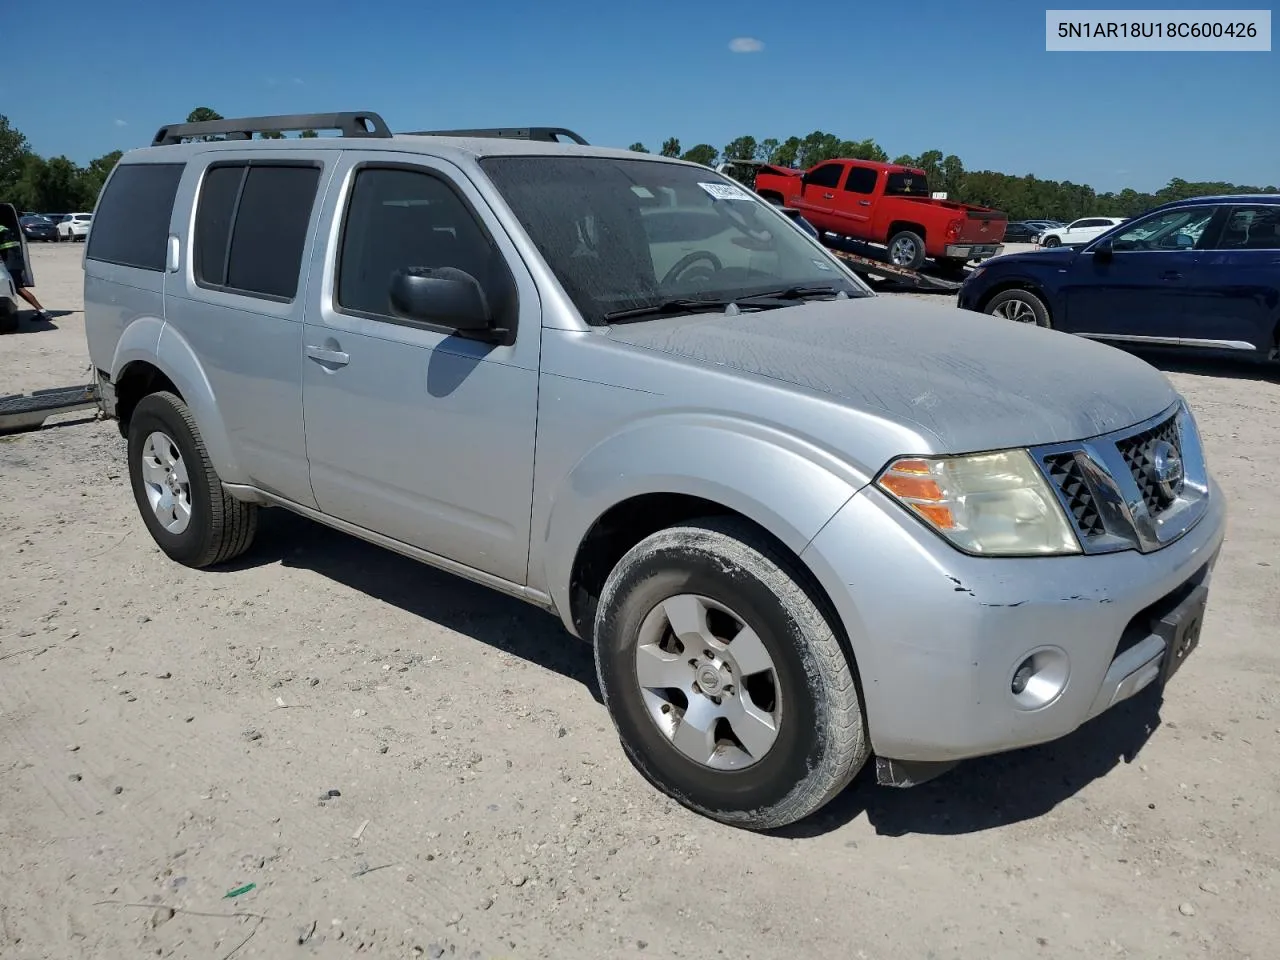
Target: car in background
x=1201, y=273
x=1078, y=232
x=37, y=228
x=75, y=226
x=1022, y=231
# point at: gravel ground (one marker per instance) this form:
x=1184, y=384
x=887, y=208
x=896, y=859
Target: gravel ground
x=404, y=765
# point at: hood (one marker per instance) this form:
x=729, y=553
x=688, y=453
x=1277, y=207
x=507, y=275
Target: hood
x=1044, y=257
x=973, y=381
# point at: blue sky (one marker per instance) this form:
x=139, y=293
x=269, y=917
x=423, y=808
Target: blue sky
x=972, y=79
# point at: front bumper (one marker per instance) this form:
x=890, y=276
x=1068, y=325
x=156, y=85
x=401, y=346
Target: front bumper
x=972, y=251
x=938, y=634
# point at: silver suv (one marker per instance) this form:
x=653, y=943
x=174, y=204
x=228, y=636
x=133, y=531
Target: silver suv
x=800, y=524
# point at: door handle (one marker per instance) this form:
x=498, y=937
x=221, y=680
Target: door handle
x=828, y=196
x=1171, y=275
x=335, y=358
x=864, y=203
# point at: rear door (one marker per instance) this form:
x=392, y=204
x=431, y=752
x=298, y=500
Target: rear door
x=857, y=203
x=1139, y=293
x=413, y=431
x=1235, y=299
x=246, y=221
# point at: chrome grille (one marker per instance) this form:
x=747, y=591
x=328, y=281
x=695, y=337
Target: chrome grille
x=1065, y=472
x=1108, y=488
x=1138, y=456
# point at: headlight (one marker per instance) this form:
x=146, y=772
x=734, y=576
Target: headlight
x=994, y=504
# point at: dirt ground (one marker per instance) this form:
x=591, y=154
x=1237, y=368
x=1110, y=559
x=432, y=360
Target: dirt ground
x=405, y=765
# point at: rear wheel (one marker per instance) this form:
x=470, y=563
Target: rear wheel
x=1020, y=306
x=1051, y=242
x=182, y=502
x=8, y=317
x=727, y=684
x=906, y=249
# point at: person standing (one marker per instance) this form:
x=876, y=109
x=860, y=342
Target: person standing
x=11, y=256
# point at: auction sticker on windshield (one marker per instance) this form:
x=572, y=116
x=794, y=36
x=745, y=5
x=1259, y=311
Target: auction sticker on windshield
x=726, y=191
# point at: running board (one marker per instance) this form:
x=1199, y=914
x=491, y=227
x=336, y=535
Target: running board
x=29, y=411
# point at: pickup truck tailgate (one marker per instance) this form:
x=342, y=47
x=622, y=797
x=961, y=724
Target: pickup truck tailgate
x=982, y=226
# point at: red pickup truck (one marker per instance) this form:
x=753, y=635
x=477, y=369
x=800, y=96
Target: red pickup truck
x=888, y=204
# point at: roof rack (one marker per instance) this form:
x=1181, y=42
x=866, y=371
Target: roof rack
x=361, y=124
x=548, y=134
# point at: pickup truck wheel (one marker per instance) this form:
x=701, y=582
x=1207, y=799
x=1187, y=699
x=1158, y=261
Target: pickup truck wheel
x=1020, y=306
x=906, y=249
x=728, y=687
x=182, y=502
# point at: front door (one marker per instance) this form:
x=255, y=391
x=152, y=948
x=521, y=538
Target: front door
x=413, y=431
x=1138, y=291
x=19, y=265
x=818, y=196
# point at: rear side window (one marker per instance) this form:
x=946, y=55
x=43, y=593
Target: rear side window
x=132, y=226
x=251, y=227
x=861, y=180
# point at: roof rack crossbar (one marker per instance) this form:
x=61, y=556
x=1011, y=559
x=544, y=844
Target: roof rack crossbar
x=548, y=134
x=354, y=124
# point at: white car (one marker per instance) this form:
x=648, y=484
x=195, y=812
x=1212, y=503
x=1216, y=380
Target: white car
x=1078, y=232
x=75, y=226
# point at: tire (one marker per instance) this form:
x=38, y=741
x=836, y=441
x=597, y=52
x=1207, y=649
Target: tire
x=906, y=249
x=1020, y=306
x=8, y=317
x=218, y=527
x=723, y=575
x=1051, y=242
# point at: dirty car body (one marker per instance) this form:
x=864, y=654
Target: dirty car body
x=935, y=534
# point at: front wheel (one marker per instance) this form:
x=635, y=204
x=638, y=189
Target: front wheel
x=1020, y=306
x=183, y=504
x=1051, y=242
x=729, y=688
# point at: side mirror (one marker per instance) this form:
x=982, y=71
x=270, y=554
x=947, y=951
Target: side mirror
x=444, y=296
x=1184, y=241
x=1104, y=250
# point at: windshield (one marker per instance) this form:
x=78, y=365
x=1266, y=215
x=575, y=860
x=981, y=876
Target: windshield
x=907, y=184
x=630, y=235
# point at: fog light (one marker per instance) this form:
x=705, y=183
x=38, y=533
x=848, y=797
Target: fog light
x=1023, y=676
x=1039, y=678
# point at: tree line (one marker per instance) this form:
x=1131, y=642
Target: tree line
x=57, y=184
x=1024, y=197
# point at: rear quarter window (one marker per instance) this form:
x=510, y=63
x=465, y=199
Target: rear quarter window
x=131, y=228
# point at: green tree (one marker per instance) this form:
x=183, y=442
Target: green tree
x=671, y=147
x=702, y=153
x=271, y=135
x=788, y=153
x=743, y=148
x=204, y=115
x=952, y=176
x=308, y=134
x=14, y=151
x=54, y=184
x=638, y=147
x=767, y=150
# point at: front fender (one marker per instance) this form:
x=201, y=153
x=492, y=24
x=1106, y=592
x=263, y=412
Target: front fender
x=152, y=341
x=786, y=485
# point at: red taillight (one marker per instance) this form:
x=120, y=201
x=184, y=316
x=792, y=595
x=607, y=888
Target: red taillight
x=954, y=228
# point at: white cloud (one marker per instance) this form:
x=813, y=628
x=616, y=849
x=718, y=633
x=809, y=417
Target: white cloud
x=298, y=81
x=122, y=123
x=746, y=45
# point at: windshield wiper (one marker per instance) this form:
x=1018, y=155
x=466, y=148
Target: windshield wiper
x=793, y=293
x=680, y=305
x=759, y=301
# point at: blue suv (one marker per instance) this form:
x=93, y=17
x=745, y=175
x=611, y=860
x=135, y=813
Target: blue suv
x=1201, y=273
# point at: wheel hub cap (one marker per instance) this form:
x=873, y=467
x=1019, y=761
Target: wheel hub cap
x=708, y=682
x=165, y=482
